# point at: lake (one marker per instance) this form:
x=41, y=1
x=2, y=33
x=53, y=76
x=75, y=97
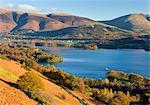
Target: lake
x=92, y=63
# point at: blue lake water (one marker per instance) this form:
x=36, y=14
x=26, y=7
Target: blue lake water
x=92, y=63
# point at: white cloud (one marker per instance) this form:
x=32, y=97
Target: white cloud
x=26, y=7
x=30, y=8
x=10, y=5
x=20, y=7
x=53, y=10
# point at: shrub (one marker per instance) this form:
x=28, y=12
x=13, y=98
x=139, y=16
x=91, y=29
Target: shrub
x=117, y=74
x=73, y=82
x=120, y=99
x=33, y=86
x=65, y=79
x=81, y=85
x=105, y=95
x=62, y=96
x=104, y=81
x=136, y=78
x=3, y=57
x=37, y=97
x=30, y=81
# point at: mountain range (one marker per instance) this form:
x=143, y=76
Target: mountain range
x=13, y=21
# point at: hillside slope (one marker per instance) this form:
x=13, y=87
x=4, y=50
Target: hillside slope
x=9, y=95
x=6, y=21
x=12, y=96
x=13, y=68
x=71, y=19
x=133, y=22
x=12, y=21
x=99, y=31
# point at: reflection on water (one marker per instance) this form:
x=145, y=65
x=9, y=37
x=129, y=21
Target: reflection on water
x=92, y=63
x=73, y=60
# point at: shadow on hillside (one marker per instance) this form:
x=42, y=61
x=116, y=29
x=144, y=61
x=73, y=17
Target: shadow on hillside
x=10, y=84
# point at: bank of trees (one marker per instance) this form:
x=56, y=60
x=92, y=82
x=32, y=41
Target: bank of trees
x=29, y=57
x=120, y=86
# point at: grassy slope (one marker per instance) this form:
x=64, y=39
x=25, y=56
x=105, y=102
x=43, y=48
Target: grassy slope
x=12, y=96
x=10, y=72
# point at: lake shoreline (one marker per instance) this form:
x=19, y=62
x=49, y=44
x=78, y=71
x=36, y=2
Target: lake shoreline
x=80, y=62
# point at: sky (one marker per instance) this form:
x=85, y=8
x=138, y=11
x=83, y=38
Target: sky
x=94, y=9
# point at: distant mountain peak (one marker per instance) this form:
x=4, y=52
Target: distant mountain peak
x=136, y=21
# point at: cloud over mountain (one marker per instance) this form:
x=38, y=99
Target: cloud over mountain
x=27, y=7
